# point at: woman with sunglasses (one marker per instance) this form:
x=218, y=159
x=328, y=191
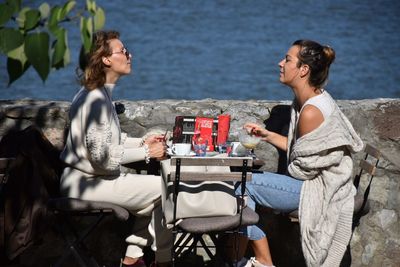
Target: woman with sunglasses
x=96, y=148
x=319, y=145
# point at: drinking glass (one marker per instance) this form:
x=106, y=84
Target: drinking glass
x=248, y=141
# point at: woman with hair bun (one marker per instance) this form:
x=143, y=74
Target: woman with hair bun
x=319, y=168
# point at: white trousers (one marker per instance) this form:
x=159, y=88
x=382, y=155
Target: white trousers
x=140, y=194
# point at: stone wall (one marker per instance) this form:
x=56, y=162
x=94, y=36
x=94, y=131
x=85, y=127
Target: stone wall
x=376, y=242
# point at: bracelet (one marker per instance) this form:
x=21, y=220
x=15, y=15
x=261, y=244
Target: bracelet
x=147, y=153
x=142, y=142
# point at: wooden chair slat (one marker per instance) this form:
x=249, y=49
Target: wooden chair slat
x=368, y=167
x=214, y=161
x=211, y=176
x=372, y=151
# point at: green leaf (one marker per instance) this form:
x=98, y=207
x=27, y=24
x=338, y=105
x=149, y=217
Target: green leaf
x=32, y=18
x=67, y=57
x=15, y=5
x=59, y=48
x=10, y=39
x=53, y=20
x=44, y=10
x=6, y=13
x=99, y=19
x=37, y=51
x=91, y=6
x=86, y=33
x=89, y=26
x=18, y=54
x=22, y=17
x=65, y=61
x=15, y=69
x=55, y=14
x=68, y=6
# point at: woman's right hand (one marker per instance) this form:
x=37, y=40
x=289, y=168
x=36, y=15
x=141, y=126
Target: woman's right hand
x=253, y=128
x=273, y=138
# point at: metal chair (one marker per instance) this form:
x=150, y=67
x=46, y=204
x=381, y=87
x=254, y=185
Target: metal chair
x=75, y=233
x=368, y=167
x=32, y=185
x=192, y=230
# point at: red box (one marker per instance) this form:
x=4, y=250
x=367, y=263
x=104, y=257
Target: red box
x=204, y=132
x=224, y=121
x=214, y=130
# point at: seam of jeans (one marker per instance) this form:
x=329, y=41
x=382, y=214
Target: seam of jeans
x=276, y=187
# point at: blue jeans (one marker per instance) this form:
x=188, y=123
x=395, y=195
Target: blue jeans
x=276, y=191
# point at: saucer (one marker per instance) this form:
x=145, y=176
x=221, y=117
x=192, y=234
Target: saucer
x=170, y=153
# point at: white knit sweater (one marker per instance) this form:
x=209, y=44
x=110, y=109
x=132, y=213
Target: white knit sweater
x=95, y=144
x=322, y=158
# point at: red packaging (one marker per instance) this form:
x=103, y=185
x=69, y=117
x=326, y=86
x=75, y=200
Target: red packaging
x=224, y=121
x=203, y=130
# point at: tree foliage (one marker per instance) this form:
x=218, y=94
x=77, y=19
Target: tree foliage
x=37, y=38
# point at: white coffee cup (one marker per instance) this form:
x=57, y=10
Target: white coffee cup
x=237, y=149
x=181, y=149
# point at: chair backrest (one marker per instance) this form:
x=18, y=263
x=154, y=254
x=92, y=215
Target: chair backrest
x=368, y=164
x=368, y=167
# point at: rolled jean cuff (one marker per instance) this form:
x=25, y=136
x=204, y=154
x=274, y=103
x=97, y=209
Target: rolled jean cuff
x=254, y=232
x=134, y=251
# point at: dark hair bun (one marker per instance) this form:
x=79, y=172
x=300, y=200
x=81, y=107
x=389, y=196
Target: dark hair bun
x=329, y=54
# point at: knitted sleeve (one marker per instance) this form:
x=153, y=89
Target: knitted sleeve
x=101, y=149
x=103, y=138
x=308, y=167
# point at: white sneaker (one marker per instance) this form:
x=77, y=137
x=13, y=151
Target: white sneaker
x=252, y=262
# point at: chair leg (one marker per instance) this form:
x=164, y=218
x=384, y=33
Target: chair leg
x=181, y=244
x=77, y=248
x=205, y=247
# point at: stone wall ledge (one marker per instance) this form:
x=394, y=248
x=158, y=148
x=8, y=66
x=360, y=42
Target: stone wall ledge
x=376, y=242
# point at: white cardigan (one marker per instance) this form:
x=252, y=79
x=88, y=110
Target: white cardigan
x=322, y=158
x=95, y=144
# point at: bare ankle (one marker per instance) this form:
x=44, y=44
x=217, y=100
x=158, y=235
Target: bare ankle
x=128, y=260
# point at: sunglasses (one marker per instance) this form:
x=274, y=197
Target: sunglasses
x=123, y=51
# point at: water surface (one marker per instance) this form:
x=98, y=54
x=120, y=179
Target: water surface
x=231, y=49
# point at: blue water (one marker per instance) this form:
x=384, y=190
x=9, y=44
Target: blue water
x=230, y=49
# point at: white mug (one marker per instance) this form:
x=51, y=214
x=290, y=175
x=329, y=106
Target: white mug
x=181, y=149
x=237, y=149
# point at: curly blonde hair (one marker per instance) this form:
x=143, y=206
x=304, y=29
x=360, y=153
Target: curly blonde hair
x=94, y=75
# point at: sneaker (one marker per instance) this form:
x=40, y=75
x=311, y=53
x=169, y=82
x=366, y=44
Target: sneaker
x=255, y=263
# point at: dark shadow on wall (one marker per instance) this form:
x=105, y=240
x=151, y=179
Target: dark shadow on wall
x=278, y=122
